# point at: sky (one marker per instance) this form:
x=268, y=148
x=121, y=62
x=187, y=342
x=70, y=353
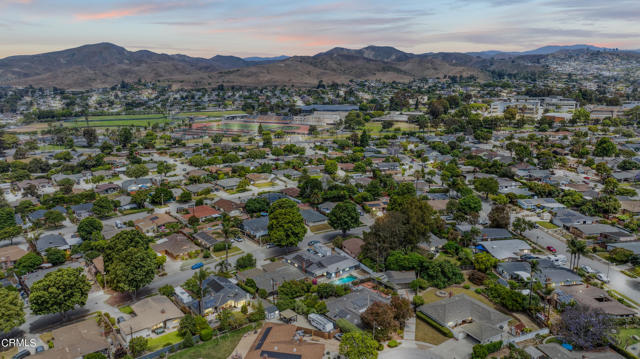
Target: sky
x=243, y=28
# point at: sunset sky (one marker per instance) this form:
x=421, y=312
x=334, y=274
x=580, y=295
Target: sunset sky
x=268, y=28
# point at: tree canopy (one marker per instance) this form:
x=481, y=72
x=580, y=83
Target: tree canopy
x=59, y=291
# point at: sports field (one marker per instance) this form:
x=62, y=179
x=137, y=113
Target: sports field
x=209, y=113
x=248, y=126
x=118, y=120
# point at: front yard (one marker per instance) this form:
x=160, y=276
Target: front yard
x=547, y=225
x=164, y=340
x=324, y=227
x=428, y=334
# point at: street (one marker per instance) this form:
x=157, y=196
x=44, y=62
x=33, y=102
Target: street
x=618, y=281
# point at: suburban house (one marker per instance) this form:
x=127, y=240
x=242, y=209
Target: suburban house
x=353, y=246
x=38, y=215
x=132, y=185
x=28, y=279
x=256, y=227
x=153, y=223
x=492, y=234
x=592, y=230
x=505, y=249
x=175, y=246
x=152, y=313
x=271, y=275
x=593, y=298
x=51, y=241
x=514, y=270
x=312, y=217
x=466, y=316
x=352, y=305
x=77, y=340
x=83, y=210
x=227, y=206
x=39, y=184
x=551, y=275
x=332, y=266
x=256, y=178
x=202, y=212
x=205, y=239
x=9, y=255
x=566, y=217
x=282, y=341
x=221, y=294
x=228, y=183
x=107, y=188
x=538, y=204
x=400, y=279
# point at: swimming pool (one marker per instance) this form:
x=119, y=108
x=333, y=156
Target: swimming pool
x=344, y=280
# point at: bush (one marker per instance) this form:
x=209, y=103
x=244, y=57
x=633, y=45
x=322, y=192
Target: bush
x=138, y=345
x=221, y=246
x=418, y=300
x=481, y=351
x=187, y=342
x=346, y=326
x=466, y=286
x=206, y=334
x=262, y=293
x=477, y=277
x=443, y=330
x=393, y=343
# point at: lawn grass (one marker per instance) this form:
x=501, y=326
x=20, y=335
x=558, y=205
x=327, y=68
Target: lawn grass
x=445, y=256
x=210, y=113
x=324, y=227
x=217, y=348
x=51, y=148
x=126, y=309
x=626, y=334
x=164, y=340
x=117, y=122
x=546, y=225
x=428, y=334
x=232, y=251
x=264, y=184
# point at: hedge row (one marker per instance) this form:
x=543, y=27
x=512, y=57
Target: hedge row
x=622, y=352
x=443, y=330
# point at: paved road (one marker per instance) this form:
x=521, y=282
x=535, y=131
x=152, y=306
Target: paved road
x=618, y=281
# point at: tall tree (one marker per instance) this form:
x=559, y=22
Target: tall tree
x=229, y=230
x=11, y=310
x=59, y=291
x=344, y=216
x=196, y=285
x=132, y=270
x=358, y=345
x=286, y=225
x=89, y=228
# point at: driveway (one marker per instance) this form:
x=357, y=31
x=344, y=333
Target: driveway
x=454, y=349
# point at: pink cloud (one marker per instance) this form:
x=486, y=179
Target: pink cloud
x=113, y=14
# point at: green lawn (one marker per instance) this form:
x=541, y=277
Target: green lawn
x=430, y=295
x=625, y=335
x=118, y=122
x=220, y=348
x=546, y=225
x=126, y=309
x=263, y=184
x=232, y=251
x=164, y=340
x=51, y=148
x=324, y=227
x=210, y=113
x=428, y=334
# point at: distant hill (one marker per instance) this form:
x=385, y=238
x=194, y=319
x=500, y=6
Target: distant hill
x=105, y=64
x=545, y=50
x=262, y=59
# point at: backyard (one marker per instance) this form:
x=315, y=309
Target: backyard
x=625, y=335
x=217, y=348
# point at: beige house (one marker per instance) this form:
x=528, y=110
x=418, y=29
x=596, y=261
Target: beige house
x=153, y=313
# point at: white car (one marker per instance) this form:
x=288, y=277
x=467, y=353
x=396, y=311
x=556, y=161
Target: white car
x=587, y=269
x=602, y=277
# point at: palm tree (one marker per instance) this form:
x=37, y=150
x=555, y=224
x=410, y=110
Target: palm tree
x=581, y=248
x=571, y=246
x=229, y=229
x=533, y=268
x=200, y=276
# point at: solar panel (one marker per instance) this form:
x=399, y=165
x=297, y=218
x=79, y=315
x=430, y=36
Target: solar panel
x=277, y=355
x=263, y=338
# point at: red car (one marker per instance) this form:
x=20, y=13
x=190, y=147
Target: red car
x=551, y=249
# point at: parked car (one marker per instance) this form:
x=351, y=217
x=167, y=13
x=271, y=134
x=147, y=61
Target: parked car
x=238, y=239
x=39, y=348
x=120, y=319
x=602, y=277
x=310, y=250
x=313, y=243
x=551, y=249
x=587, y=269
x=338, y=336
x=197, y=265
x=527, y=257
x=22, y=354
x=119, y=225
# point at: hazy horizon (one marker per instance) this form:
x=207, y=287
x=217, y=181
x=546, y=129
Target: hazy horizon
x=205, y=28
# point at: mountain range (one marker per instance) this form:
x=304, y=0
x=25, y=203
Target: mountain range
x=106, y=64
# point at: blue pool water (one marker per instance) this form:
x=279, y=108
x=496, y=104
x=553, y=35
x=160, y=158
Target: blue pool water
x=344, y=280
